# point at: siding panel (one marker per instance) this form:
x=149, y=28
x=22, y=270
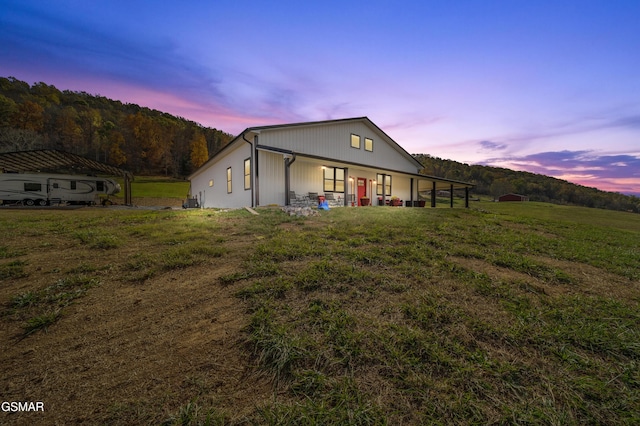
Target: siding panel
x=334, y=141
x=216, y=195
x=271, y=178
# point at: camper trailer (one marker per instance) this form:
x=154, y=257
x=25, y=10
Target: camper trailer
x=45, y=189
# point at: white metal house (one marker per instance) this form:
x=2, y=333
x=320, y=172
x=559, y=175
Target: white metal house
x=348, y=160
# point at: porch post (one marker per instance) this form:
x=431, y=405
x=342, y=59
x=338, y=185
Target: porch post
x=127, y=190
x=451, y=196
x=384, y=190
x=348, y=186
x=433, y=194
x=466, y=197
x=411, y=197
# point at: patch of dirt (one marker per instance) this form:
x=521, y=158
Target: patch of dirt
x=595, y=281
x=587, y=279
x=129, y=352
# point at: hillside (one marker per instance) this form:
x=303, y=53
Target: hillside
x=149, y=142
x=499, y=314
x=136, y=138
x=494, y=181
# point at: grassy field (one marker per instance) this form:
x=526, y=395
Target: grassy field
x=155, y=191
x=521, y=313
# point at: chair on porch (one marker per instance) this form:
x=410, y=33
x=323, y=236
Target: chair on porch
x=313, y=198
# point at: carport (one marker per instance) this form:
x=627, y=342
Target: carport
x=53, y=161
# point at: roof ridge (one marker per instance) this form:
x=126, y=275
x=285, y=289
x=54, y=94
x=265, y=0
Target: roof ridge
x=306, y=123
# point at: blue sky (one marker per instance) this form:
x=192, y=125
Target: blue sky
x=550, y=87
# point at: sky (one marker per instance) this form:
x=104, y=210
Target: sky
x=546, y=86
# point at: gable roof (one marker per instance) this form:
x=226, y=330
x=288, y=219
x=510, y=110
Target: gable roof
x=257, y=129
x=364, y=120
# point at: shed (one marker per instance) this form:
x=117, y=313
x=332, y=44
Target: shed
x=513, y=197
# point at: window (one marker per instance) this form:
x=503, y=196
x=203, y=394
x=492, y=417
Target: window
x=56, y=186
x=355, y=141
x=211, y=182
x=229, y=180
x=28, y=186
x=247, y=173
x=100, y=185
x=368, y=144
x=73, y=184
x=333, y=179
x=387, y=184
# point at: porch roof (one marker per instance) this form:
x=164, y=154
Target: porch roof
x=441, y=183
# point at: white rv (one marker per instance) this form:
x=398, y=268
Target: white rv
x=45, y=189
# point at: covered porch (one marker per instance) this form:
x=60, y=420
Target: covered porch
x=309, y=180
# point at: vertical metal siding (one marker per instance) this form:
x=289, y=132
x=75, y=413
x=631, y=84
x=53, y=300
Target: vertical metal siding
x=216, y=195
x=271, y=178
x=334, y=141
x=306, y=177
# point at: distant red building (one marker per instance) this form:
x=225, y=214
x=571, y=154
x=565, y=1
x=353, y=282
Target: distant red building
x=513, y=197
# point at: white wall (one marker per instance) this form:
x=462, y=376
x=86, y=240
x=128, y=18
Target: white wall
x=216, y=195
x=271, y=178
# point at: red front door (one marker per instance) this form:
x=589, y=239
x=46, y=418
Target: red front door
x=362, y=188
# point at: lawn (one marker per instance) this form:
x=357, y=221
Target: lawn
x=501, y=313
x=154, y=190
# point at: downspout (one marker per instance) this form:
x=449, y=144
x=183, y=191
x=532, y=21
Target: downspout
x=287, y=178
x=252, y=170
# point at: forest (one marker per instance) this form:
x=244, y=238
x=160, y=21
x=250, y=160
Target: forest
x=495, y=181
x=150, y=142
x=138, y=139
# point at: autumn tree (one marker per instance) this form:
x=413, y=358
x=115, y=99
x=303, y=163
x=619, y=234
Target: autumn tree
x=90, y=121
x=199, y=152
x=45, y=94
x=67, y=133
x=115, y=142
x=28, y=116
x=145, y=136
x=7, y=108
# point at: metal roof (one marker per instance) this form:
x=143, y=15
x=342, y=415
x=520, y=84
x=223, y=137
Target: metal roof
x=49, y=160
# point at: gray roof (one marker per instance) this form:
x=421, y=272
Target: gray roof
x=51, y=160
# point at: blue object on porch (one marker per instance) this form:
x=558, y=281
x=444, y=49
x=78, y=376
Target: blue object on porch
x=323, y=205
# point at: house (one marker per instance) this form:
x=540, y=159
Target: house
x=345, y=159
x=513, y=197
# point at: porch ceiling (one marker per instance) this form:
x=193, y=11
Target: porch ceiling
x=425, y=182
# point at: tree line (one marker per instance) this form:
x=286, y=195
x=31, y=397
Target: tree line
x=150, y=142
x=135, y=138
x=495, y=181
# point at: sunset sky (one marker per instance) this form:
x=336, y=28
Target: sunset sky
x=547, y=86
